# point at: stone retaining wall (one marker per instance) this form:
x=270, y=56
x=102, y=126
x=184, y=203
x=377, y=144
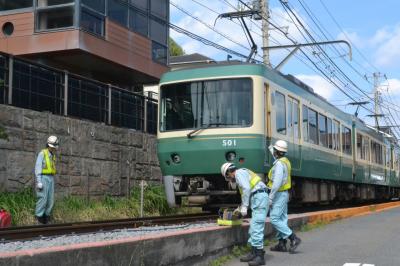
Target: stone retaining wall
x=93, y=160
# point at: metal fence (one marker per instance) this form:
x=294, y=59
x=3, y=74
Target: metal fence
x=33, y=86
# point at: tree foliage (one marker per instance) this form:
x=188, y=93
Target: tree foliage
x=174, y=48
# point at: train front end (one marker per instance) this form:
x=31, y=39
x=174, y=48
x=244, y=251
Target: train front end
x=209, y=116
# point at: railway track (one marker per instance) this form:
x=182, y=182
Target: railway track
x=37, y=231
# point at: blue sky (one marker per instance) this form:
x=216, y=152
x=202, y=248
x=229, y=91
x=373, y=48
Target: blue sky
x=372, y=27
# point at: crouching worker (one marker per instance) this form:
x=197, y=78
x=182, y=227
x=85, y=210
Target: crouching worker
x=279, y=183
x=45, y=170
x=253, y=191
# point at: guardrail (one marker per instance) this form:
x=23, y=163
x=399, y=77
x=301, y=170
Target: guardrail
x=42, y=88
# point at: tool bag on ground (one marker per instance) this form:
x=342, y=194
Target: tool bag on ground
x=5, y=218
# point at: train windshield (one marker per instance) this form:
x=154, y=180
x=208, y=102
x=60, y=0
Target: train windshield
x=206, y=104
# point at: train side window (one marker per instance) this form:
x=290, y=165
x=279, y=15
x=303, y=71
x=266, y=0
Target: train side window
x=293, y=118
x=346, y=140
x=359, y=147
x=336, y=135
x=290, y=118
x=296, y=118
x=322, y=130
x=329, y=135
x=305, y=123
x=312, y=126
x=365, y=141
x=280, y=105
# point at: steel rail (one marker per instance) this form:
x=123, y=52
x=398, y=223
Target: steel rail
x=37, y=231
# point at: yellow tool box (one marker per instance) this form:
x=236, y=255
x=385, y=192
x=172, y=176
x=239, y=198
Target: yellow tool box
x=226, y=217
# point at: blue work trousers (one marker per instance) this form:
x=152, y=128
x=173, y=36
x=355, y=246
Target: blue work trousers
x=45, y=196
x=278, y=215
x=259, y=208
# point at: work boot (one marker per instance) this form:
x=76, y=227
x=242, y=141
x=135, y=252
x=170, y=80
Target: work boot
x=46, y=219
x=259, y=259
x=40, y=219
x=250, y=256
x=280, y=247
x=294, y=242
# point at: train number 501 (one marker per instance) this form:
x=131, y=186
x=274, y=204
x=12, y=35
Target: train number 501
x=228, y=142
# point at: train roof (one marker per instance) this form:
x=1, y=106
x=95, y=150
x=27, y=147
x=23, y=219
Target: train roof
x=287, y=81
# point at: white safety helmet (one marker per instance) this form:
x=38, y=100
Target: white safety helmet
x=52, y=141
x=280, y=145
x=225, y=167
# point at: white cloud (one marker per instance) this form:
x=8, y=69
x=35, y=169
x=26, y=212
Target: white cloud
x=352, y=37
x=388, y=52
x=394, y=86
x=319, y=84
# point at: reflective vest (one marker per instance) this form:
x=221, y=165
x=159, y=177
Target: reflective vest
x=50, y=165
x=288, y=183
x=254, y=179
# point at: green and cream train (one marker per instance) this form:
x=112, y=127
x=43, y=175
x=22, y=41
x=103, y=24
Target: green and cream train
x=232, y=112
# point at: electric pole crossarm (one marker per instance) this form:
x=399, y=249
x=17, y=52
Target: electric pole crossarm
x=297, y=46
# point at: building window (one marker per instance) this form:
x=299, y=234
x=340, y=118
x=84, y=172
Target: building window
x=96, y=5
x=159, y=53
x=322, y=130
x=158, y=32
x=142, y=4
x=92, y=22
x=45, y=3
x=280, y=105
x=312, y=126
x=6, y=5
x=118, y=11
x=159, y=8
x=55, y=18
x=138, y=21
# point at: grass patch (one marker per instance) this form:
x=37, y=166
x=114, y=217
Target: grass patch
x=77, y=209
x=309, y=227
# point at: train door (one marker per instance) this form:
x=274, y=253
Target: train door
x=294, y=132
x=267, y=130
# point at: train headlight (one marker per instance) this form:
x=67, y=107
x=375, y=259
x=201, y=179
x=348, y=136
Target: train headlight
x=230, y=156
x=176, y=158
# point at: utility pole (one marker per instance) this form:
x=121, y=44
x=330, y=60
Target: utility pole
x=377, y=94
x=265, y=34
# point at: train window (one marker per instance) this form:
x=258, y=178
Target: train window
x=336, y=135
x=362, y=147
x=214, y=103
x=280, y=105
x=359, y=147
x=312, y=126
x=296, y=118
x=387, y=157
x=365, y=141
x=305, y=123
x=329, y=135
x=376, y=152
x=322, y=130
x=293, y=118
x=346, y=140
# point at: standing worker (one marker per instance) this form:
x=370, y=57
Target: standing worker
x=279, y=183
x=45, y=170
x=253, y=190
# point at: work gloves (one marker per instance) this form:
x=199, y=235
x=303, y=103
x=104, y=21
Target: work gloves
x=242, y=210
x=39, y=185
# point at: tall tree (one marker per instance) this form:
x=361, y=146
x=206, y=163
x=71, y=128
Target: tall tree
x=174, y=48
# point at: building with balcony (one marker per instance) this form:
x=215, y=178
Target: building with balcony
x=121, y=42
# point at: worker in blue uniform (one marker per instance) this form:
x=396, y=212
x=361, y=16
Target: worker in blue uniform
x=45, y=170
x=253, y=191
x=279, y=182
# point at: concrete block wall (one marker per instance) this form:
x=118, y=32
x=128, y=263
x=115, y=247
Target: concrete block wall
x=93, y=160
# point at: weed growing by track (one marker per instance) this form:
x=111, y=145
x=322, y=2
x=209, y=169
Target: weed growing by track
x=75, y=209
